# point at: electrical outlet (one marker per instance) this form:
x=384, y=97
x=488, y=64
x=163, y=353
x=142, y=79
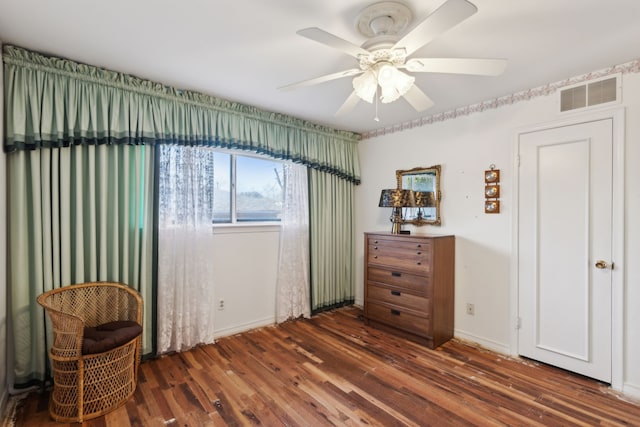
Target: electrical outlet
x=471, y=309
x=220, y=304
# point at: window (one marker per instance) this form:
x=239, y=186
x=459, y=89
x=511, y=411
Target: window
x=258, y=189
x=221, y=187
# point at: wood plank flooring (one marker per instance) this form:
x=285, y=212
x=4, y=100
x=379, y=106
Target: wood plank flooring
x=334, y=370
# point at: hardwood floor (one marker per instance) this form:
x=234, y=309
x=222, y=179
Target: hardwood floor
x=334, y=370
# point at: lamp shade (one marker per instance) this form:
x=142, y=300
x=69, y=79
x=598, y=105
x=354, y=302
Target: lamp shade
x=393, y=82
x=396, y=198
x=365, y=86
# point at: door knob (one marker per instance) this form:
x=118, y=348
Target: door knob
x=601, y=264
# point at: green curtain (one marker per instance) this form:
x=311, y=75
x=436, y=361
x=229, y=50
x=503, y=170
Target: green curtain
x=332, y=251
x=55, y=102
x=80, y=184
x=75, y=214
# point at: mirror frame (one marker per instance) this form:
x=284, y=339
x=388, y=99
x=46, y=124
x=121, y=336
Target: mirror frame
x=438, y=195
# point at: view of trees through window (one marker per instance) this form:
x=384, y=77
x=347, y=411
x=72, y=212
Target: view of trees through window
x=258, y=188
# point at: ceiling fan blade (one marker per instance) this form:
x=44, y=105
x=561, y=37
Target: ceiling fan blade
x=448, y=15
x=328, y=39
x=479, y=67
x=322, y=79
x=418, y=99
x=349, y=104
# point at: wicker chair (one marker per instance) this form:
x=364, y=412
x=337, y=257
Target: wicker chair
x=90, y=385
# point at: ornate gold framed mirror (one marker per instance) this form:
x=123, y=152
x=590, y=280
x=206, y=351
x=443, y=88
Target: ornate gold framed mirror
x=425, y=182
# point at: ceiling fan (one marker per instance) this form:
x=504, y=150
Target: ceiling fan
x=385, y=54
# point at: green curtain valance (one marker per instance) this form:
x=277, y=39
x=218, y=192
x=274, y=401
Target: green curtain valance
x=54, y=102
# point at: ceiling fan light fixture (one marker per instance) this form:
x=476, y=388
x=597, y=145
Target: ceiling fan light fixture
x=393, y=82
x=386, y=74
x=388, y=94
x=365, y=86
x=382, y=57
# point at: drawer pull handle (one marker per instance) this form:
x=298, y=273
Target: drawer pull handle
x=396, y=293
x=419, y=246
x=375, y=257
x=375, y=241
x=395, y=312
x=396, y=274
x=375, y=247
x=419, y=263
x=419, y=253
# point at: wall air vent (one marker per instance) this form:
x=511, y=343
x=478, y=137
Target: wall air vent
x=590, y=94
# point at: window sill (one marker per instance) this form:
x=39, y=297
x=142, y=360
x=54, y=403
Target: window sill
x=253, y=227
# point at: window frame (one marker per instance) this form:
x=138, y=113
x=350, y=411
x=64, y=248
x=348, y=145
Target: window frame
x=233, y=220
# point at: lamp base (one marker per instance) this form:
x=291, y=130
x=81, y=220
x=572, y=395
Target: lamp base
x=396, y=220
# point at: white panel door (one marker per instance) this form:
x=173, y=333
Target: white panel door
x=565, y=247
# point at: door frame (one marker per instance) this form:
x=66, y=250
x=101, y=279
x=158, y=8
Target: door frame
x=617, y=115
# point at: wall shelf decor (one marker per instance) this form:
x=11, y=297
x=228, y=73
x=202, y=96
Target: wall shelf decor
x=492, y=176
x=492, y=206
x=492, y=190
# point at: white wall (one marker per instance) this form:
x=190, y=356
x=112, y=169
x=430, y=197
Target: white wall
x=245, y=261
x=465, y=147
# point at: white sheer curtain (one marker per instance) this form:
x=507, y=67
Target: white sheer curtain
x=185, y=289
x=292, y=297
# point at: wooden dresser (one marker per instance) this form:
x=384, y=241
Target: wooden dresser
x=409, y=285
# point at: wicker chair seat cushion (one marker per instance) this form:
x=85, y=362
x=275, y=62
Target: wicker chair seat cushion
x=108, y=336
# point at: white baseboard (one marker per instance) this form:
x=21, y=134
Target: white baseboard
x=260, y=323
x=631, y=390
x=483, y=342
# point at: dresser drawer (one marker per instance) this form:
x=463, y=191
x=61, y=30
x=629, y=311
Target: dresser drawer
x=399, y=319
x=405, y=247
x=398, y=298
x=419, y=285
x=409, y=256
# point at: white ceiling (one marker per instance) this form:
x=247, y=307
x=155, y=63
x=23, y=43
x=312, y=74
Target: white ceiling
x=242, y=50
